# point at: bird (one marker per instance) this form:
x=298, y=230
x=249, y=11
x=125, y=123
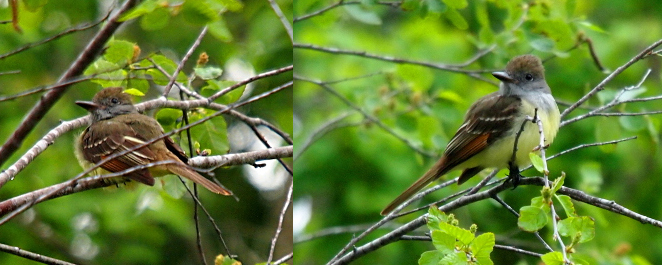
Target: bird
x=117, y=126
x=486, y=138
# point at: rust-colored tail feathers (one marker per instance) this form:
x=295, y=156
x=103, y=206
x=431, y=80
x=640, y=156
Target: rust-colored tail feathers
x=187, y=172
x=437, y=170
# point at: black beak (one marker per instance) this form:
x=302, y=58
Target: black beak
x=503, y=76
x=88, y=105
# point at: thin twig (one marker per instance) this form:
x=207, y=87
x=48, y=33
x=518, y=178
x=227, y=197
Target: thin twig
x=31, y=255
x=611, y=76
x=283, y=19
x=180, y=66
x=445, y=67
x=343, y=2
x=281, y=217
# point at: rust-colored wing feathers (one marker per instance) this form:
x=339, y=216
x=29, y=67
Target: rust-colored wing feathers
x=487, y=120
x=110, y=143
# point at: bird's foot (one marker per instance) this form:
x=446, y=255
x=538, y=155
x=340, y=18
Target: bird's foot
x=513, y=176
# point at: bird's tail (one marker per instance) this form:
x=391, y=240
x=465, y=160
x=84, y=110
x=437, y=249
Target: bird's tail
x=437, y=170
x=187, y=172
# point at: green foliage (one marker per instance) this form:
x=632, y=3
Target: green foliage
x=537, y=162
x=138, y=224
x=453, y=244
x=155, y=14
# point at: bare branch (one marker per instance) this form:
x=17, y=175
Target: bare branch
x=31, y=256
x=619, y=70
x=283, y=19
x=445, y=67
x=394, y=4
x=241, y=158
x=180, y=66
x=281, y=217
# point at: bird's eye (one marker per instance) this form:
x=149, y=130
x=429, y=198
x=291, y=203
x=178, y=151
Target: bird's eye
x=528, y=77
x=115, y=100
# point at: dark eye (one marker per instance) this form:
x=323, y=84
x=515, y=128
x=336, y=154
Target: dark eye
x=528, y=77
x=115, y=100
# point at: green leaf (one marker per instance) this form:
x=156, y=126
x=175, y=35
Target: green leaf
x=567, y=204
x=138, y=82
x=134, y=92
x=107, y=74
x=198, y=12
x=212, y=133
x=536, y=160
x=482, y=247
x=462, y=235
x=482, y=15
x=531, y=219
x=574, y=226
x=173, y=187
x=553, y=258
x=457, y=258
x=592, y=27
x=537, y=202
x=208, y=72
x=435, y=217
x=156, y=19
x=119, y=51
x=141, y=9
x=168, y=117
x=443, y=242
x=558, y=183
x=451, y=96
x=168, y=65
x=430, y=257
x=220, y=30
x=457, y=19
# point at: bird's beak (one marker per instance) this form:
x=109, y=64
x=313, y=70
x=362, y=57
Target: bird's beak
x=503, y=76
x=88, y=105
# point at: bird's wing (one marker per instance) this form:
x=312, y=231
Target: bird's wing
x=117, y=137
x=487, y=120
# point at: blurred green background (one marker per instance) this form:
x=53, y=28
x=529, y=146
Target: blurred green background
x=144, y=225
x=347, y=175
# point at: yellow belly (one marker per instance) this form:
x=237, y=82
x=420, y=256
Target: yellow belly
x=499, y=153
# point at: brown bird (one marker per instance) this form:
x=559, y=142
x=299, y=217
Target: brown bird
x=487, y=137
x=117, y=126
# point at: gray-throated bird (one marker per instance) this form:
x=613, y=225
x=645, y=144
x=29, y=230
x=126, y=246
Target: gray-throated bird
x=487, y=137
